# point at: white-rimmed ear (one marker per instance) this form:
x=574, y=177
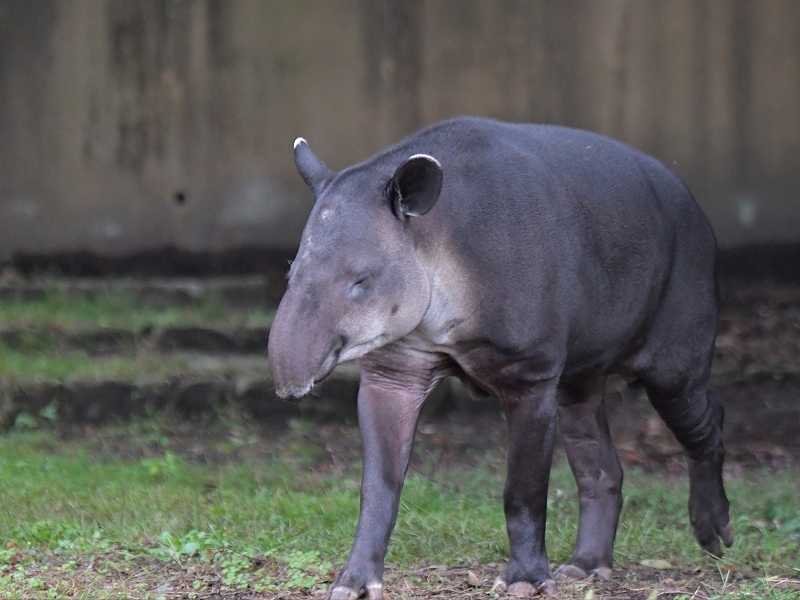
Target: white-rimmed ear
x=415, y=186
x=314, y=172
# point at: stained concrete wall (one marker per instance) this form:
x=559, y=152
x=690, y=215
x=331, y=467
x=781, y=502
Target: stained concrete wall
x=129, y=124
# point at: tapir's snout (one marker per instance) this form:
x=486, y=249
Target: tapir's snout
x=302, y=350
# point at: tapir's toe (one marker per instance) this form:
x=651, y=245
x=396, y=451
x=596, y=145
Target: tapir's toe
x=374, y=591
x=709, y=534
x=602, y=573
x=727, y=535
x=522, y=589
x=712, y=547
x=569, y=571
x=342, y=592
x=499, y=585
x=525, y=589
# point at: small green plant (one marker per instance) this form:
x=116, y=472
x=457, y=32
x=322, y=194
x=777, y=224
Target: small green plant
x=25, y=421
x=158, y=468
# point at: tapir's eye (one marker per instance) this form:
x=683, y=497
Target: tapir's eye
x=360, y=287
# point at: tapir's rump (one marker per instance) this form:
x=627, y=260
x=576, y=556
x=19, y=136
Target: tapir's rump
x=531, y=261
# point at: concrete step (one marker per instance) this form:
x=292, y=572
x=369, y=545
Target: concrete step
x=761, y=414
x=217, y=384
x=108, y=340
x=236, y=292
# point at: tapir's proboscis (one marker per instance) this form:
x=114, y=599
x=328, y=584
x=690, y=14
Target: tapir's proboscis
x=531, y=261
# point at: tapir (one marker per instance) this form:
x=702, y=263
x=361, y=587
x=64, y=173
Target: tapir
x=531, y=261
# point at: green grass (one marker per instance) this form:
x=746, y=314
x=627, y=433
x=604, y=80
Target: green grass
x=78, y=365
x=26, y=367
x=69, y=501
x=59, y=310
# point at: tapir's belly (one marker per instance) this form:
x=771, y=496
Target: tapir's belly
x=555, y=340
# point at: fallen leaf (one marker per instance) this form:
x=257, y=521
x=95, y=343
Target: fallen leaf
x=473, y=579
x=653, y=595
x=656, y=563
x=589, y=595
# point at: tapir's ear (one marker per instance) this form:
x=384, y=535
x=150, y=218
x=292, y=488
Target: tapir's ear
x=415, y=186
x=316, y=175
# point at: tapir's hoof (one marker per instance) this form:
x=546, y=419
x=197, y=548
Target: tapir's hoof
x=374, y=591
x=523, y=589
x=727, y=535
x=709, y=538
x=341, y=592
x=574, y=572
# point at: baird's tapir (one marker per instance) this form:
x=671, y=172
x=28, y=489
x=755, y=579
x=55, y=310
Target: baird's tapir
x=530, y=261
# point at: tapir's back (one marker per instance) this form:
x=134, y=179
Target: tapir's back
x=534, y=184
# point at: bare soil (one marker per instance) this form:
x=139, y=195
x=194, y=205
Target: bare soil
x=126, y=577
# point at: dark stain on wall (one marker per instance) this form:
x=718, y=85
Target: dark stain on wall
x=741, y=90
x=127, y=45
x=392, y=43
x=702, y=72
x=139, y=35
x=561, y=33
x=26, y=29
x=220, y=23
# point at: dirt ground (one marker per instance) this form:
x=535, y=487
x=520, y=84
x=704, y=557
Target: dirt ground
x=170, y=581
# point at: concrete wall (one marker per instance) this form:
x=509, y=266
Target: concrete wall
x=128, y=124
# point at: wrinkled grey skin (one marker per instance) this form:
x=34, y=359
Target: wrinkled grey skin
x=531, y=262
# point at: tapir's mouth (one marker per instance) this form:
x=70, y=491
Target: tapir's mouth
x=331, y=359
x=364, y=348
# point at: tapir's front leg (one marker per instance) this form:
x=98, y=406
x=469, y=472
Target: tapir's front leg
x=389, y=402
x=531, y=421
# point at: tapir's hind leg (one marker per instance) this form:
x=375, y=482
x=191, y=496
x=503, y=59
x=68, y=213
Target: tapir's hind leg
x=674, y=364
x=696, y=420
x=594, y=463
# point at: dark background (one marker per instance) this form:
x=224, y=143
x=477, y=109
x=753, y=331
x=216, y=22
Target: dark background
x=131, y=126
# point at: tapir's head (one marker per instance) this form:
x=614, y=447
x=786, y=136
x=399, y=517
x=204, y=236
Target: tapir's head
x=358, y=281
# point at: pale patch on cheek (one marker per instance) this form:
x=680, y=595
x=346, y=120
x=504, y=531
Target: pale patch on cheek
x=365, y=330
x=453, y=300
x=391, y=314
